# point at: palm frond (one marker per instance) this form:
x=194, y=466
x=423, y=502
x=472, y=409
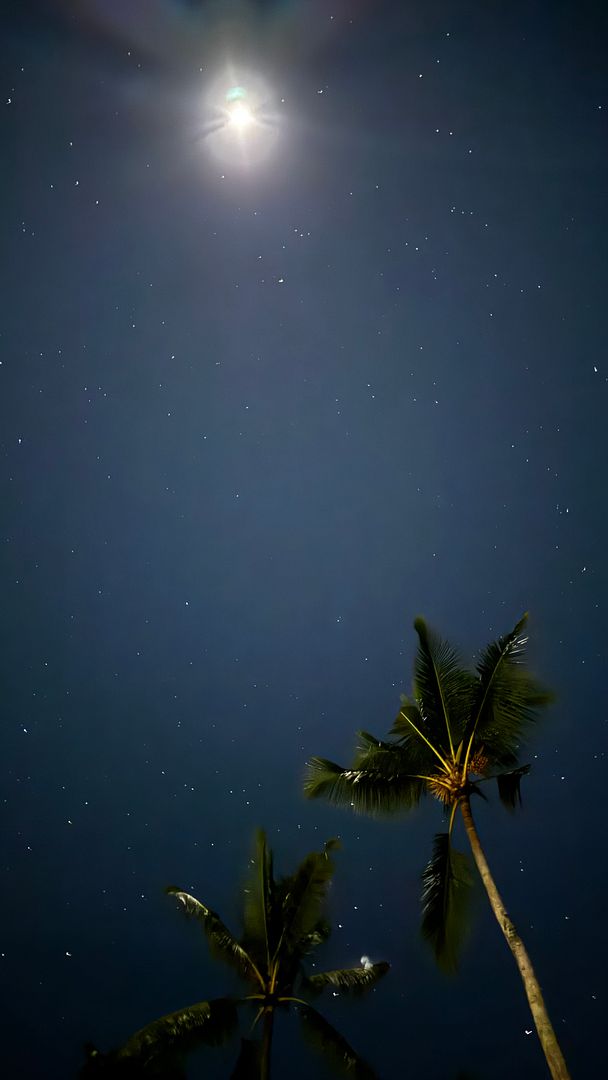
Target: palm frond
x=366, y=791
x=507, y=699
x=446, y=884
x=347, y=980
x=367, y=742
x=208, y=1023
x=389, y=759
x=408, y=718
x=303, y=897
x=258, y=907
x=509, y=786
x=324, y=1038
x=443, y=689
x=413, y=736
x=222, y=943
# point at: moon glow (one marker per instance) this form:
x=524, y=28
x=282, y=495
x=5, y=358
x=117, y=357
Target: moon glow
x=241, y=125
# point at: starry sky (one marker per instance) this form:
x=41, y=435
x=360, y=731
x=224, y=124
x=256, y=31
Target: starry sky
x=263, y=400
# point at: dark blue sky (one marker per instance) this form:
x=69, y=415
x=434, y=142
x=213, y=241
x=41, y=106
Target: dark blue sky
x=253, y=419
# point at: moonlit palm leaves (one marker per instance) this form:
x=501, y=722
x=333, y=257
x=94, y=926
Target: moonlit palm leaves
x=158, y=1049
x=459, y=729
x=445, y=884
x=283, y=923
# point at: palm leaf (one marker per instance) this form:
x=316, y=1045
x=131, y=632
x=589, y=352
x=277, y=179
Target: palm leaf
x=446, y=883
x=367, y=742
x=509, y=786
x=208, y=1023
x=333, y=1046
x=303, y=897
x=412, y=732
x=221, y=942
x=443, y=689
x=347, y=980
x=258, y=908
x=507, y=699
x=366, y=791
x=389, y=758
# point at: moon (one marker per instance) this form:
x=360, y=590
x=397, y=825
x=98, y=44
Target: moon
x=242, y=124
x=240, y=116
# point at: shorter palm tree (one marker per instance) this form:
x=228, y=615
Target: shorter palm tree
x=283, y=922
x=459, y=729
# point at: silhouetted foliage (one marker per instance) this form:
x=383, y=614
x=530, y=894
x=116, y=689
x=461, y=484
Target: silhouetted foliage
x=284, y=922
x=458, y=730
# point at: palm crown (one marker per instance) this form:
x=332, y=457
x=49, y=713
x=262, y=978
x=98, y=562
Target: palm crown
x=459, y=729
x=457, y=726
x=283, y=922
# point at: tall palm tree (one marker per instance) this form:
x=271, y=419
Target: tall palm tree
x=283, y=923
x=459, y=729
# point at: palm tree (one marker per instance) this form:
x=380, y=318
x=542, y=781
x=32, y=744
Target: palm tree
x=283, y=923
x=459, y=729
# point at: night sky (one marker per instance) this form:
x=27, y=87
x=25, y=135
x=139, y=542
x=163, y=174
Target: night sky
x=264, y=398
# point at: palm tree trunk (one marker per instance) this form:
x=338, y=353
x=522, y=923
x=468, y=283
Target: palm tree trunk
x=544, y=1028
x=266, y=1044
